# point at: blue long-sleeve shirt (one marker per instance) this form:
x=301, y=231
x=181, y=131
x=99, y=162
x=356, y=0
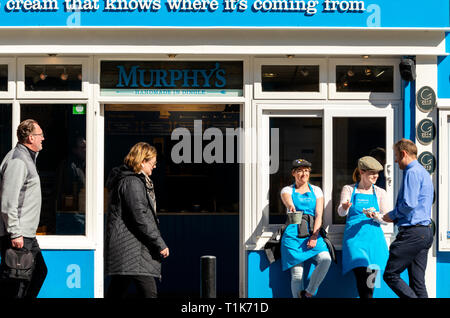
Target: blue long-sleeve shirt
x=414, y=198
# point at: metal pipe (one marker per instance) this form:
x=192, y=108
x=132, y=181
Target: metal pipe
x=208, y=276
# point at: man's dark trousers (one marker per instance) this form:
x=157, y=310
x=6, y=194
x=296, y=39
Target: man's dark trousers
x=15, y=289
x=409, y=251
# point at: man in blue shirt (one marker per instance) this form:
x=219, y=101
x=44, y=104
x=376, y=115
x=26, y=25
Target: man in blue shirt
x=412, y=215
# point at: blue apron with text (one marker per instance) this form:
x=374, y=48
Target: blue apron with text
x=294, y=250
x=364, y=244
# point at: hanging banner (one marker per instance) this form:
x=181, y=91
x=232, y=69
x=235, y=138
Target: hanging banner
x=226, y=13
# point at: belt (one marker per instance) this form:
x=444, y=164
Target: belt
x=411, y=226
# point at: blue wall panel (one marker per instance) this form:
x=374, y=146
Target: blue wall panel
x=443, y=275
x=70, y=274
x=266, y=281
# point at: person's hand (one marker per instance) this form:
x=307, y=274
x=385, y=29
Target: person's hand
x=292, y=208
x=347, y=205
x=312, y=242
x=387, y=218
x=165, y=252
x=17, y=242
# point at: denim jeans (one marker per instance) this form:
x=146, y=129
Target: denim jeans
x=323, y=260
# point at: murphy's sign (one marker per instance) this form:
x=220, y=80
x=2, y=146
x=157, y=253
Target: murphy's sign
x=163, y=78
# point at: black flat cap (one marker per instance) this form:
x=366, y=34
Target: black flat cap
x=301, y=163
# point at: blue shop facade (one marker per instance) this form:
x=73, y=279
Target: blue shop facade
x=229, y=92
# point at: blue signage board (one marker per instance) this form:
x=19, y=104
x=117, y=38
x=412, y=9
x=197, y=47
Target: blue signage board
x=225, y=13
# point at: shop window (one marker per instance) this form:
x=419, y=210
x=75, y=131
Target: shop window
x=351, y=141
x=197, y=165
x=5, y=129
x=368, y=79
x=291, y=148
x=290, y=78
x=53, y=77
x=365, y=78
x=3, y=78
x=62, y=166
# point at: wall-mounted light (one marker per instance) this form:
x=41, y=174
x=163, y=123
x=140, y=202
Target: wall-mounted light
x=365, y=56
x=52, y=54
x=43, y=75
x=290, y=56
x=171, y=56
x=64, y=76
x=367, y=71
x=270, y=75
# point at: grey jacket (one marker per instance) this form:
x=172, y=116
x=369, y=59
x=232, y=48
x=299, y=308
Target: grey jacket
x=20, y=194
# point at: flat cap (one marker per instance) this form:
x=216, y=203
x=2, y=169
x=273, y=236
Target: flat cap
x=301, y=163
x=369, y=163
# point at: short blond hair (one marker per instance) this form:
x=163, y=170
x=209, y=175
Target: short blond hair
x=406, y=145
x=139, y=153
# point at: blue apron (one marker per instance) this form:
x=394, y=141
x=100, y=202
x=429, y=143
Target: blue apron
x=293, y=249
x=364, y=244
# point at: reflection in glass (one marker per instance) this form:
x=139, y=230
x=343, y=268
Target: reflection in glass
x=298, y=138
x=190, y=185
x=5, y=129
x=61, y=165
x=353, y=138
x=3, y=77
x=52, y=77
x=290, y=78
x=365, y=78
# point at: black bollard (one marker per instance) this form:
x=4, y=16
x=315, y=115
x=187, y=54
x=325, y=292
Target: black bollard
x=208, y=276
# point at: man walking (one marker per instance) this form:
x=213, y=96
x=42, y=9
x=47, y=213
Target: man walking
x=412, y=215
x=20, y=201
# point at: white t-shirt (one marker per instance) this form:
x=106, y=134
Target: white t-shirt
x=288, y=190
x=346, y=194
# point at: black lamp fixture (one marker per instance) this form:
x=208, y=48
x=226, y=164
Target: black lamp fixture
x=408, y=68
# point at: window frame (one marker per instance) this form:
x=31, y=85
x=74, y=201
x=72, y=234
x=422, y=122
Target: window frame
x=85, y=70
x=323, y=78
x=88, y=240
x=10, y=93
x=333, y=94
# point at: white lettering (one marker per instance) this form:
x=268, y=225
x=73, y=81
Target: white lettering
x=74, y=279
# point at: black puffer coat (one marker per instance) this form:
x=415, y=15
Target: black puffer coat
x=133, y=241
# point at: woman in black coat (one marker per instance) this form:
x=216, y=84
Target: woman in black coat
x=134, y=246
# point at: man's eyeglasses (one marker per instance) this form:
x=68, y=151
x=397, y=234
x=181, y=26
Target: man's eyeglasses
x=42, y=135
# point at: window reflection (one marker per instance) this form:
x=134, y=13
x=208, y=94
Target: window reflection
x=3, y=77
x=298, y=138
x=290, y=78
x=354, y=138
x=61, y=166
x=53, y=77
x=5, y=129
x=365, y=78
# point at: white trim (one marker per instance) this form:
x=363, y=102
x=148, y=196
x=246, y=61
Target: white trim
x=11, y=92
x=323, y=80
x=79, y=242
x=443, y=230
x=85, y=70
x=333, y=94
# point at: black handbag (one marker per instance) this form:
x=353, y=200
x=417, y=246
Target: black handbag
x=18, y=264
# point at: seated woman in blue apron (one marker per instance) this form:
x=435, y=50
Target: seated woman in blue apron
x=304, y=203
x=364, y=247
